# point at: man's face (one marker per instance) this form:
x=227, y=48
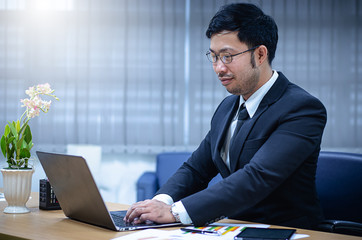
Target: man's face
x=241, y=76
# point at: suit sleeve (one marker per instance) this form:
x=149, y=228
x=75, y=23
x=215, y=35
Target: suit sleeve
x=193, y=176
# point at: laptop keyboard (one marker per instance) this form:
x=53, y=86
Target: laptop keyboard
x=118, y=217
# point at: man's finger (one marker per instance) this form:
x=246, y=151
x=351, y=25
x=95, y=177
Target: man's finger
x=131, y=213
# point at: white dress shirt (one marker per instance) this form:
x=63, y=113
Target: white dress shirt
x=251, y=105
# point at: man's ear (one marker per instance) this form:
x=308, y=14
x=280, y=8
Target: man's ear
x=261, y=54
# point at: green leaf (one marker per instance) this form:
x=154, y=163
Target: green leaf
x=13, y=129
x=11, y=152
x=7, y=130
x=3, y=145
x=24, y=153
x=24, y=145
x=10, y=139
x=27, y=134
x=30, y=145
x=20, y=142
x=17, y=126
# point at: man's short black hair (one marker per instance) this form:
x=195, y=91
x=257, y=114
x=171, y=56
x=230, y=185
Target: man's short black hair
x=253, y=26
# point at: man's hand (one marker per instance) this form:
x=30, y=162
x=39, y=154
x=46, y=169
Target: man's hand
x=152, y=210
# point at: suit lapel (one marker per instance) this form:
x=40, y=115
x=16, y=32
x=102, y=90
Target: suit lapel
x=224, y=127
x=272, y=95
x=241, y=137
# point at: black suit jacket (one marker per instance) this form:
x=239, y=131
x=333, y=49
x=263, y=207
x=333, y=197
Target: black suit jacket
x=273, y=166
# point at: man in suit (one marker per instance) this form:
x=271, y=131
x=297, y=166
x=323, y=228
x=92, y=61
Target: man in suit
x=267, y=157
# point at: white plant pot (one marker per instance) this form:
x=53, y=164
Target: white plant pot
x=17, y=188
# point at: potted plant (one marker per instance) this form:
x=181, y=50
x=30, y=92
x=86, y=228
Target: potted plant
x=16, y=144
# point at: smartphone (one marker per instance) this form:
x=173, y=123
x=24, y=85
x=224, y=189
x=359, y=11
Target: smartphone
x=265, y=234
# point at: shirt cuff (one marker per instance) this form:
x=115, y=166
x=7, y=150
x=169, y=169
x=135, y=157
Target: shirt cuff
x=164, y=198
x=178, y=207
x=184, y=216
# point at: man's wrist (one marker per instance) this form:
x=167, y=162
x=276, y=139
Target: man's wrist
x=174, y=213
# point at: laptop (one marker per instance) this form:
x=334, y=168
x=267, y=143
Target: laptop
x=78, y=194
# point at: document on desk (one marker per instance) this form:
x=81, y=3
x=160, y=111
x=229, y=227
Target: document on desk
x=156, y=234
x=227, y=232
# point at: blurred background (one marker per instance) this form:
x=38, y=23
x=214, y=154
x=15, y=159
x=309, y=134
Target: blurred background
x=133, y=79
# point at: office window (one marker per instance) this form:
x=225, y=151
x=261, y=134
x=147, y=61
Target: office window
x=132, y=75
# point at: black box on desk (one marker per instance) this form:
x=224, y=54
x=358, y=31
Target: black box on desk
x=47, y=198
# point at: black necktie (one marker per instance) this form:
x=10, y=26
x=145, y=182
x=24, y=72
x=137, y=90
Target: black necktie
x=242, y=116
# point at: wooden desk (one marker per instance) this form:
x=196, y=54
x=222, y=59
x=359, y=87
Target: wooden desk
x=40, y=224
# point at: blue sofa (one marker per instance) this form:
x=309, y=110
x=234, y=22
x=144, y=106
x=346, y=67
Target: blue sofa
x=338, y=181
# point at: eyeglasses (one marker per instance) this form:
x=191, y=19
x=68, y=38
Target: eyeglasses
x=225, y=57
